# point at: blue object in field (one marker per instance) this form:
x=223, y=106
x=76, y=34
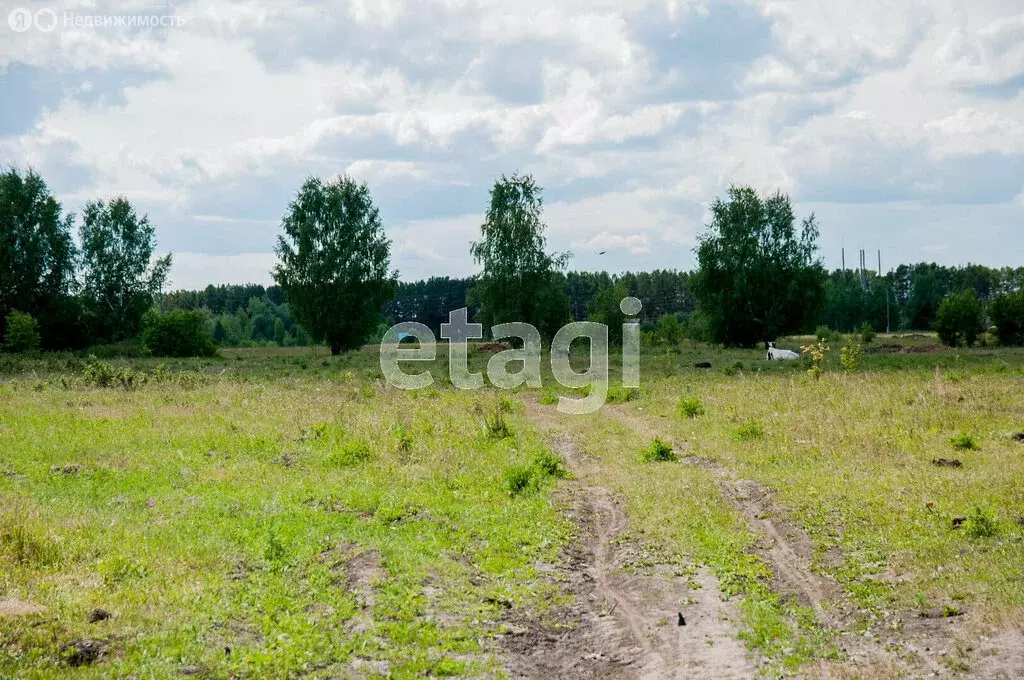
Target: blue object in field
x=402, y=335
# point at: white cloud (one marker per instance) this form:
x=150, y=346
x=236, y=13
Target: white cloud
x=234, y=108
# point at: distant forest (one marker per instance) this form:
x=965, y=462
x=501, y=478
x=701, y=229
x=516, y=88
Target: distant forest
x=906, y=298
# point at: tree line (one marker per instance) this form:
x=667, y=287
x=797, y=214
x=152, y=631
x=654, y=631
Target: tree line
x=759, y=276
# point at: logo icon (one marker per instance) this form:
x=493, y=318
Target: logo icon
x=20, y=19
x=46, y=20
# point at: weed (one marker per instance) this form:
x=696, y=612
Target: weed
x=981, y=523
x=550, y=465
x=549, y=398
x=749, y=432
x=520, y=478
x=403, y=440
x=965, y=442
x=658, y=452
x=495, y=424
x=23, y=537
x=620, y=395
x=690, y=407
x=510, y=405
x=351, y=453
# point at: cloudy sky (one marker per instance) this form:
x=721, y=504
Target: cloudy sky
x=900, y=123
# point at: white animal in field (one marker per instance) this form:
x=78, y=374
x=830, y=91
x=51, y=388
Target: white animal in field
x=776, y=354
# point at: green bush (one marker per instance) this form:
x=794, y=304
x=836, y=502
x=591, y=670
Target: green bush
x=981, y=524
x=22, y=334
x=1007, y=314
x=522, y=477
x=958, y=320
x=825, y=334
x=691, y=407
x=179, y=333
x=98, y=373
x=658, y=452
x=867, y=333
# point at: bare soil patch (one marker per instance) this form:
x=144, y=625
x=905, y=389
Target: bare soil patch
x=629, y=603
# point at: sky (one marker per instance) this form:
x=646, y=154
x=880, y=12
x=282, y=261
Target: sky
x=898, y=123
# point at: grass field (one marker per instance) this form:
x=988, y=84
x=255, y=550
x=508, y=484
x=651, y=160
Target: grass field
x=284, y=513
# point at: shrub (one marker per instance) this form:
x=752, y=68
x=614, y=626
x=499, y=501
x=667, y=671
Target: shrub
x=1007, y=314
x=849, y=356
x=519, y=478
x=867, y=333
x=824, y=334
x=658, y=452
x=670, y=331
x=817, y=353
x=101, y=374
x=550, y=465
x=958, y=320
x=22, y=333
x=179, y=333
x=690, y=407
x=981, y=524
x=523, y=477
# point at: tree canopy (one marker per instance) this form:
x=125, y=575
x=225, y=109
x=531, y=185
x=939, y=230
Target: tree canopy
x=37, y=252
x=334, y=262
x=520, y=280
x=758, y=276
x=119, y=280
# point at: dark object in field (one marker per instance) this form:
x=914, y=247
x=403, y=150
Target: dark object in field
x=97, y=615
x=682, y=621
x=499, y=601
x=702, y=364
x=1019, y=437
x=83, y=652
x=958, y=521
x=72, y=469
x=947, y=462
x=1020, y=521
x=492, y=347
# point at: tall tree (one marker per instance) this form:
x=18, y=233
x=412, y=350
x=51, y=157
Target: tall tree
x=757, y=275
x=119, y=275
x=37, y=252
x=520, y=280
x=334, y=262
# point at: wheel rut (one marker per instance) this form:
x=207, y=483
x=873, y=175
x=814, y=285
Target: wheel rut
x=627, y=599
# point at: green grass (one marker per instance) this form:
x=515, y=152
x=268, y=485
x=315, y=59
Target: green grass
x=228, y=515
x=293, y=507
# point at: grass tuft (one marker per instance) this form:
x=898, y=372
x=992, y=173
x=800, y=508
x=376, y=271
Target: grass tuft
x=658, y=452
x=965, y=442
x=749, y=432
